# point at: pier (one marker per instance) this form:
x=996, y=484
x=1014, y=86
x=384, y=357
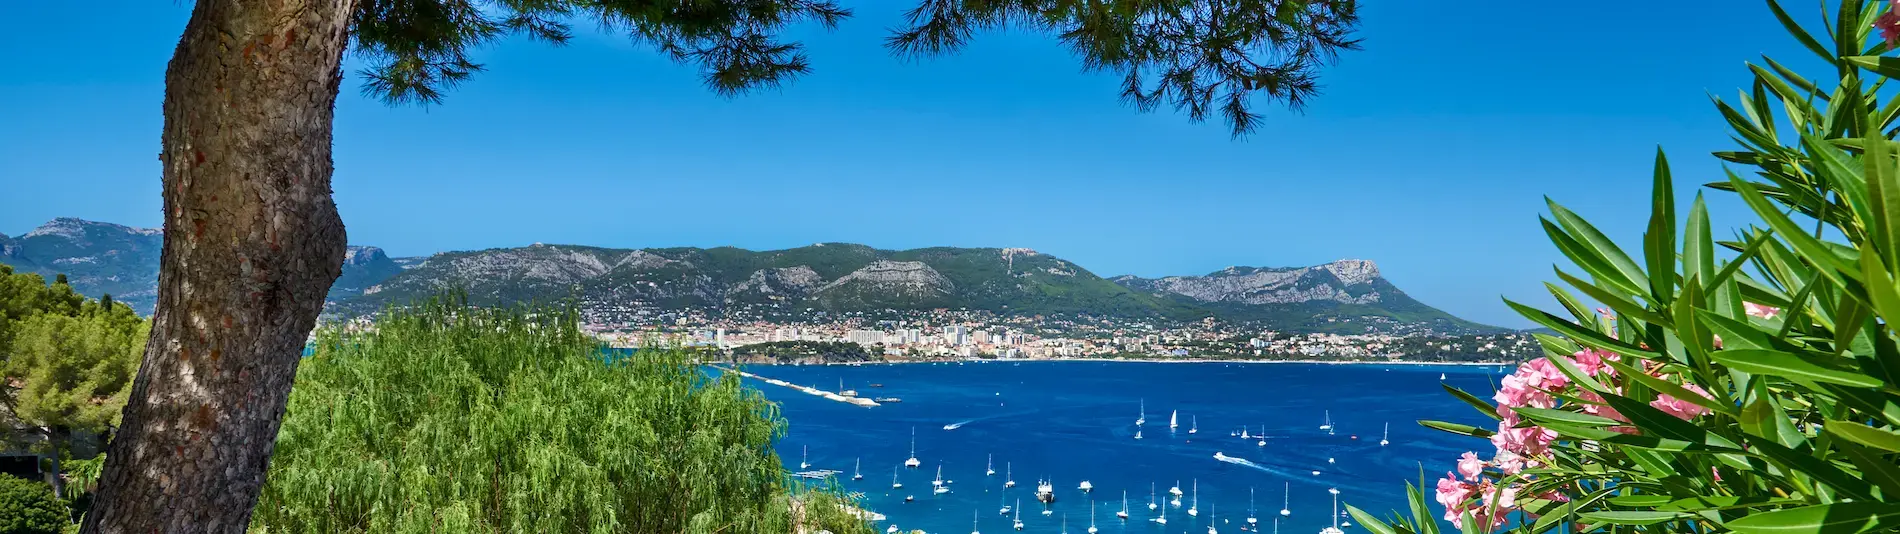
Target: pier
x=847, y=399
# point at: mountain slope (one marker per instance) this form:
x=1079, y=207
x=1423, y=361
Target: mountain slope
x=104, y=258
x=1308, y=297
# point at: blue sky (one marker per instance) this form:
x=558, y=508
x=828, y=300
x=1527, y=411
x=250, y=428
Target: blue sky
x=1430, y=151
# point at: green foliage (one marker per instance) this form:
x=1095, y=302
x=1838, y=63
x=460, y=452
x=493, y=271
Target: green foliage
x=1199, y=56
x=28, y=507
x=1751, y=390
x=450, y=418
x=75, y=371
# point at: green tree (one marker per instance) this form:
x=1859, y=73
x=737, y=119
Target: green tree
x=252, y=237
x=28, y=507
x=68, y=375
x=448, y=418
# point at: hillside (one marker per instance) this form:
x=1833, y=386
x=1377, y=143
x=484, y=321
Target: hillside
x=1342, y=296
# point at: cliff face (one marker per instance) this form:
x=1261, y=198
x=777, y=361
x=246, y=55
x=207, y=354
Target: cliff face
x=1343, y=281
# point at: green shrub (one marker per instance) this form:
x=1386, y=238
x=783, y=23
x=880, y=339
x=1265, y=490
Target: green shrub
x=28, y=507
x=449, y=418
x=1749, y=385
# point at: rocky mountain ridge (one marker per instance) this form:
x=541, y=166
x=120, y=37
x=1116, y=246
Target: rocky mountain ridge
x=830, y=277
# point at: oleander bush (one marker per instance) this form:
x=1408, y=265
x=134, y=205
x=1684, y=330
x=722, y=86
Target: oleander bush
x=1745, y=384
x=445, y=417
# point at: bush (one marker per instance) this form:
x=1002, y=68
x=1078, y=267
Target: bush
x=1755, y=394
x=449, y=418
x=28, y=507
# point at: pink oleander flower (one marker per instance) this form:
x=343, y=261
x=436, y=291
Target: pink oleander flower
x=1889, y=25
x=1500, y=499
x=1765, y=311
x=1682, y=409
x=1717, y=473
x=1591, y=361
x=1525, y=441
x=1470, y=466
x=1542, y=374
x=1594, y=406
x=1452, y=494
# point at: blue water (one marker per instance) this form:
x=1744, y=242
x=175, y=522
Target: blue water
x=1071, y=421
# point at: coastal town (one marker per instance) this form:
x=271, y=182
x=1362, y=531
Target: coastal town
x=955, y=334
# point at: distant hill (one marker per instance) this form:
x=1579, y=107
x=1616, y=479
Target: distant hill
x=1345, y=296
x=103, y=258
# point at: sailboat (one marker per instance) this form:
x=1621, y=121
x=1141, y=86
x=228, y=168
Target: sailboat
x=1176, y=490
x=1243, y=433
x=1086, y=487
x=913, y=462
x=1286, y=508
x=1137, y=433
x=1174, y=420
x=1441, y=377
x=989, y=468
x=1092, y=517
x=1065, y=523
x=973, y=529
x=1387, y=438
x=1009, y=480
x=894, y=483
x=1210, y=520
x=1019, y=515
x=1143, y=417
x=1005, y=510
x=1334, y=529
x=1194, y=426
x=1151, y=496
x=1251, y=520
x=1328, y=424
x=1123, y=515
x=802, y=464
x=1195, y=504
x=939, y=481
x=857, y=470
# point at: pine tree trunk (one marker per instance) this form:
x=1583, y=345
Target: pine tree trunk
x=252, y=244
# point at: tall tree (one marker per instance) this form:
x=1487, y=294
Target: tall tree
x=253, y=240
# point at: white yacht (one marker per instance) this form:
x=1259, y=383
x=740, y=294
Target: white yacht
x=802, y=456
x=1243, y=433
x=913, y=462
x=891, y=529
x=1006, y=509
x=1137, y=433
x=1386, y=439
x=973, y=529
x=857, y=470
x=1123, y=515
x=1334, y=528
x=1174, y=420
x=1210, y=520
x=1194, y=425
x=1151, y=497
x=1086, y=487
x=1194, y=505
x=1019, y=515
x=894, y=483
x=1142, y=418
x=1441, y=377
x=1009, y=479
x=1045, y=491
x=989, y=468
x=1176, y=490
x=1286, y=508
x=1327, y=425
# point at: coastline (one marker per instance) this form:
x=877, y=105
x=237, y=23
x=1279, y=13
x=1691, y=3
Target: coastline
x=1153, y=360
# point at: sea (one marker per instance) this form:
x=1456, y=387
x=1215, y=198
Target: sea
x=1072, y=421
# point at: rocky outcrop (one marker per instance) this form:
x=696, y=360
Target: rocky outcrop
x=1344, y=281
x=790, y=282
x=901, y=277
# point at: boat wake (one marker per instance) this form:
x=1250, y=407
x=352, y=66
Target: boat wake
x=958, y=424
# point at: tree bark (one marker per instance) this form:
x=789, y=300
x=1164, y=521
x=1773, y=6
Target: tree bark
x=252, y=244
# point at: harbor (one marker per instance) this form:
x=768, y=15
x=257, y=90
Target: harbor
x=843, y=395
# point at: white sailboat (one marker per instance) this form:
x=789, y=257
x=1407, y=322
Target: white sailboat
x=1123, y=515
x=894, y=483
x=989, y=468
x=1251, y=520
x=941, y=489
x=1009, y=479
x=1210, y=520
x=1286, y=508
x=1005, y=509
x=1441, y=377
x=913, y=462
x=1334, y=529
x=973, y=529
x=802, y=456
x=1019, y=515
x=891, y=529
x=1328, y=424
x=1086, y=487
x=1243, y=433
x=1195, y=504
x=857, y=470
x=1176, y=489
x=1142, y=418
x=1174, y=420
x=1137, y=433
x=1194, y=426
x=1387, y=438
x=1151, y=497
x=1092, y=517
